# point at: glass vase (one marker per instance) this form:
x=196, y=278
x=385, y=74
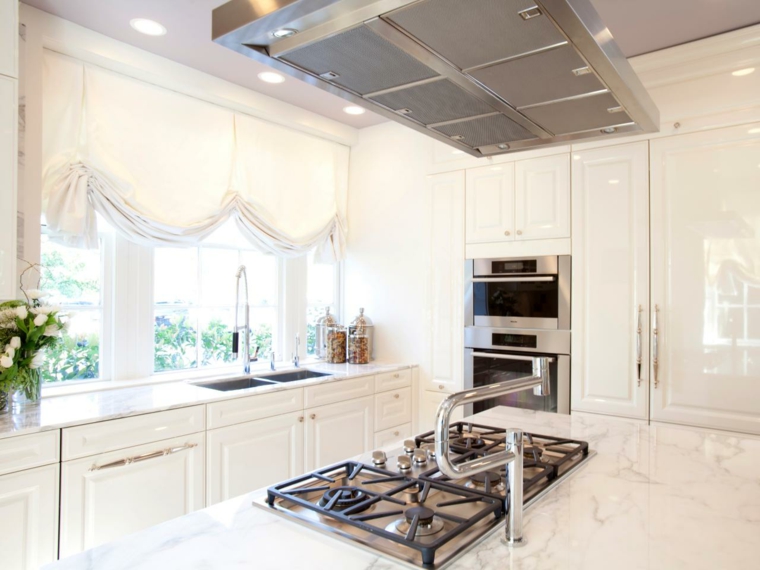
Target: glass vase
x=4, y=401
x=28, y=387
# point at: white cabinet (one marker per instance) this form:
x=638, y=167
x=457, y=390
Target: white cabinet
x=8, y=169
x=542, y=198
x=446, y=193
x=121, y=476
x=490, y=204
x=393, y=437
x=9, y=38
x=29, y=518
x=393, y=408
x=705, y=216
x=252, y=455
x=429, y=402
x=338, y=431
x=610, y=280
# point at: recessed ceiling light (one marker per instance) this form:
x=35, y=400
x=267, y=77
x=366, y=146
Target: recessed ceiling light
x=353, y=110
x=284, y=33
x=271, y=77
x=742, y=72
x=608, y=130
x=457, y=152
x=614, y=181
x=754, y=131
x=147, y=27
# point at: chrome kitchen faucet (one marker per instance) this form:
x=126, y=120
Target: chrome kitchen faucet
x=512, y=456
x=246, y=328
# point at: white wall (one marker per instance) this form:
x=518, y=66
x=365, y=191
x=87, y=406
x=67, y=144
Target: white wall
x=388, y=239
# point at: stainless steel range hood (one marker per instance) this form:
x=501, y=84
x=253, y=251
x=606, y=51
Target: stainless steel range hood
x=485, y=76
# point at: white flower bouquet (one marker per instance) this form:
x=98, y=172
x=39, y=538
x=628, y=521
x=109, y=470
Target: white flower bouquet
x=26, y=329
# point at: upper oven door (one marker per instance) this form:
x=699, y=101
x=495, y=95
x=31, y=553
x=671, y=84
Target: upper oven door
x=518, y=293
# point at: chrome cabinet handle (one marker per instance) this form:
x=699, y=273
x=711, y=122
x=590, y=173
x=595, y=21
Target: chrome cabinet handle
x=313, y=416
x=507, y=233
x=638, y=347
x=396, y=375
x=144, y=457
x=396, y=396
x=300, y=419
x=519, y=232
x=656, y=344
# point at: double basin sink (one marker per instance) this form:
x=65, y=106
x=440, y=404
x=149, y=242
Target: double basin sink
x=269, y=379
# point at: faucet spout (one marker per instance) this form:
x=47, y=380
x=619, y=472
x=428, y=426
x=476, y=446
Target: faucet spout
x=246, y=327
x=512, y=456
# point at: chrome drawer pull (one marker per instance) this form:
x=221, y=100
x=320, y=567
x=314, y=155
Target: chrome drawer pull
x=144, y=457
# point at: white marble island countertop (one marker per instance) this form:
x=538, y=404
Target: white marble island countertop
x=57, y=412
x=654, y=497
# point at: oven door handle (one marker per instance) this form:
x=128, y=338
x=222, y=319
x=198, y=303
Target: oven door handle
x=509, y=356
x=512, y=279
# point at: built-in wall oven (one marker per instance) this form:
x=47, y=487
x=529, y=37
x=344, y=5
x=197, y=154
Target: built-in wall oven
x=525, y=293
x=517, y=309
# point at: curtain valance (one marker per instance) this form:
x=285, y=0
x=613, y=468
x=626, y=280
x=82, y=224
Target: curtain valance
x=167, y=169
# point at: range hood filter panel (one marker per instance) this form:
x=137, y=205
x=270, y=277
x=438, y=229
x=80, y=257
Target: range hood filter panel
x=364, y=61
x=486, y=131
x=435, y=102
x=575, y=115
x=545, y=76
x=475, y=32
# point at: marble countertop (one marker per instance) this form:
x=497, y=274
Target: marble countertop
x=57, y=412
x=655, y=497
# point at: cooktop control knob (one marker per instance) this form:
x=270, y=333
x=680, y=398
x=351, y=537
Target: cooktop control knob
x=430, y=448
x=420, y=457
x=409, y=446
x=404, y=463
x=379, y=458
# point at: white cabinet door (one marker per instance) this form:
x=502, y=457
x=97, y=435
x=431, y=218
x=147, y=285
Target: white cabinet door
x=429, y=402
x=338, y=431
x=8, y=167
x=249, y=456
x=103, y=498
x=29, y=518
x=610, y=280
x=9, y=38
x=446, y=285
x=705, y=216
x=393, y=408
x=542, y=198
x=490, y=204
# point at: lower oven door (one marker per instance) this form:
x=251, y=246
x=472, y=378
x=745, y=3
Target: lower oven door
x=484, y=367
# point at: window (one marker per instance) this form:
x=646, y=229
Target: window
x=321, y=292
x=74, y=279
x=194, y=304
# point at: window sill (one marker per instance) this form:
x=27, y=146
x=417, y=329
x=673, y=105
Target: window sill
x=195, y=375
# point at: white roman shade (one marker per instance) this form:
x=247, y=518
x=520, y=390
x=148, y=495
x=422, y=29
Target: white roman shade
x=165, y=168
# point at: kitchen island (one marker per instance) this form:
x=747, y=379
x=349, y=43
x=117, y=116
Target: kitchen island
x=654, y=496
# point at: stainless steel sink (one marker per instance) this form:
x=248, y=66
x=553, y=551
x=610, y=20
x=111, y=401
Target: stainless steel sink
x=236, y=384
x=291, y=376
x=270, y=379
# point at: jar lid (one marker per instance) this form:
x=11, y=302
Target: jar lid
x=361, y=320
x=327, y=320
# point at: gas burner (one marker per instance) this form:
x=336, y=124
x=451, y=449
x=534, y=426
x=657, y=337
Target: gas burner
x=341, y=498
x=488, y=481
x=466, y=442
x=427, y=523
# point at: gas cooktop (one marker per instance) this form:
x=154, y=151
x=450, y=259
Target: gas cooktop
x=406, y=508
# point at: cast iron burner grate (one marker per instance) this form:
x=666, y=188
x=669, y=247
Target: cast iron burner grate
x=427, y=519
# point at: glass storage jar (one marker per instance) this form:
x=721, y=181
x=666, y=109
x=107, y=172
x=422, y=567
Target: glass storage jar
x=320, y=341
x=358, y=348
x=362, y=324
x=336, y=345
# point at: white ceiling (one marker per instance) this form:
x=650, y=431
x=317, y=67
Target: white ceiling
x=639, y=26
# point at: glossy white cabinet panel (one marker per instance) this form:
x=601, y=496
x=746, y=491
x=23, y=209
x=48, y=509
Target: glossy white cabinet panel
x=610, y=280
x=246, y=457
x=393, y=408
x=29, y=518
x=446, y=282
x=332, y=392
x=542, y=198
x=429, y=402
x=240, y=410
x=100, y=503
x=705, y=216
x=490, y=204
x=28, y=451
x=393, y=380
x=338, y=431
x=8, y=189
x=393, y=437
x=9, y=38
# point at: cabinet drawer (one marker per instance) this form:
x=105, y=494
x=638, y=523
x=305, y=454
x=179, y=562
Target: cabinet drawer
x=393, y=380
x=393, y=408
x=338, y=391
x=394, y=436
x=101, y=437
x=239, y=410
x=27, y=451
